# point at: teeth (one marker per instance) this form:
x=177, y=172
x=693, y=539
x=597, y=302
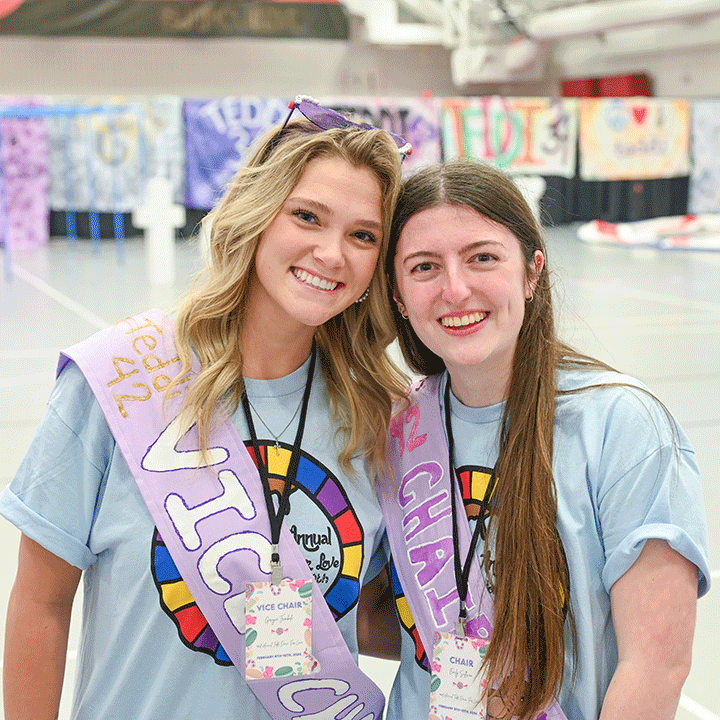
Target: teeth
x=456, y=321
x=314, y=280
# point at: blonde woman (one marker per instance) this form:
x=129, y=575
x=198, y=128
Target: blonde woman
x=546, y=517
x=184, y=464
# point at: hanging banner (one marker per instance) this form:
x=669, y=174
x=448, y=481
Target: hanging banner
x=705, y=175
x=24, y=175
x=326, y=19
x=530, y=136
x=104, y=150
x=634, y=138
x=217, y=134
x=415, y=119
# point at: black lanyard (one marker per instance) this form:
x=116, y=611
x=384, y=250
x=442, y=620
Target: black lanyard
x=276, y=518
x=462, y=570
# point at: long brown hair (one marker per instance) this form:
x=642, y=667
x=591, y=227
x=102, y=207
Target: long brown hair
x=526, y=655
x=362, y=381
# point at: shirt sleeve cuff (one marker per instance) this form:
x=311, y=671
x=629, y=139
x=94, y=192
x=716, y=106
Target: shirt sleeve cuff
x=627, y=552
x=37, y=528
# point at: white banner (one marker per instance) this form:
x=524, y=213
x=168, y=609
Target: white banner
x=103, y=150
x=705, y=178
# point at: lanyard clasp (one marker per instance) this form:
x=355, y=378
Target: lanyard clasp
x=276, y=569
x=461, y=622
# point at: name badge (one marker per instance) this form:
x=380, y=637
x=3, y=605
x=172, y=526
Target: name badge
x=278, y=629
x=457, y=684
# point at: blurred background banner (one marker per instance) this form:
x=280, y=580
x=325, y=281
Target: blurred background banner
x=415, y=119
x=217, y=134
x=532, y=136
x=24, y=177
x=705, y=177
x=101, y=160
x=176, y=18
x=634, y=138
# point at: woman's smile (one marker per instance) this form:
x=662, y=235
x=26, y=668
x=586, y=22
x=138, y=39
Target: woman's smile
x=464, y=321
x=315, y=281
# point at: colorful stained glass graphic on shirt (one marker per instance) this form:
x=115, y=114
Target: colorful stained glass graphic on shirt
x=330, y=537
x=406, y=619
x=176, y=600
x=475, y=483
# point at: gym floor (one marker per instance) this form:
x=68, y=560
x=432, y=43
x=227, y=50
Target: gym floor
x=654, y=314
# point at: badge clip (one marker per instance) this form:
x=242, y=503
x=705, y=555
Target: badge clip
x=276, y=569
x=461, y=622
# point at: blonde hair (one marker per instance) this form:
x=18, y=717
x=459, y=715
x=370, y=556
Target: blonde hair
x=362, y=381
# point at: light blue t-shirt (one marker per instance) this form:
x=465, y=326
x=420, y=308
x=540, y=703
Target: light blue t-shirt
x=145, y=655
x=625, y=472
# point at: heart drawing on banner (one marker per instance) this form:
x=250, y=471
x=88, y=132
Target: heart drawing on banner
x=639, y=114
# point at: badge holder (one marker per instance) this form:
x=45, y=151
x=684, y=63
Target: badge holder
x=278, y=628
x=457, y=684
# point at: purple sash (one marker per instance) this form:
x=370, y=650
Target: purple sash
x=213, y=518
x=418, y=518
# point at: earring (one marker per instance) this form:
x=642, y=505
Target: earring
x=363, y=296
x=400, y=307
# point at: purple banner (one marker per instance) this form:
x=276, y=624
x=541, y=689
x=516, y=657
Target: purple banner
x=415, y=119
x=218, y=133
x=25, y=180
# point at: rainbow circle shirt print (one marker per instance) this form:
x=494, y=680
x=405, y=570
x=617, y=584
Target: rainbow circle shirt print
x=333, y=548
x=474, y=483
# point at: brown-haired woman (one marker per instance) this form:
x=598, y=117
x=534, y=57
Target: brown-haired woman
x=579, y=489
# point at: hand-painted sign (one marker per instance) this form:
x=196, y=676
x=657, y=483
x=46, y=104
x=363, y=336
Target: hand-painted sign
x=103, y=150
x=218, y=132
x=534, y=136
x=634, y=138
x=415, y=119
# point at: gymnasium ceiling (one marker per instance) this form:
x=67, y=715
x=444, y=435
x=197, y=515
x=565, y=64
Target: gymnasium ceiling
x=489, y=40
x=506, y=40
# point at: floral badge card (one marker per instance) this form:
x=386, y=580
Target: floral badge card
x=278, y=629
x=457, y=683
